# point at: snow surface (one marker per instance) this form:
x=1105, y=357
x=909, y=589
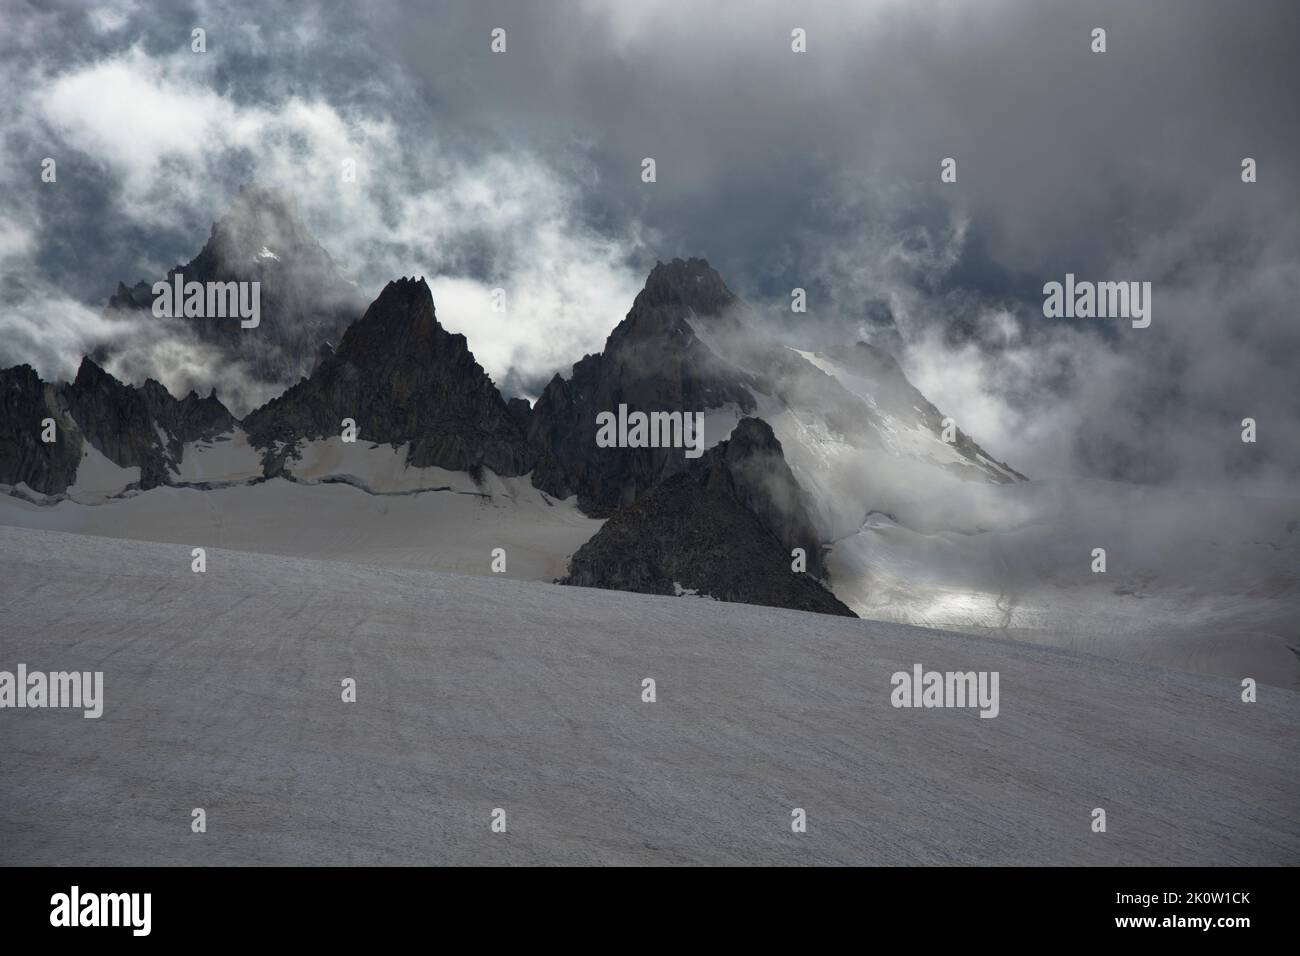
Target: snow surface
x=222, y=691
x=902, y=435
x=98, y=478
x=377, y=468
x=1202, y=582
x=451, y=530
x=1219, y=596
x=896, y=460
x=227, y=458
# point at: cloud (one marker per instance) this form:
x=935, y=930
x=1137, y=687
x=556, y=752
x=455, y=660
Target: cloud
x=176, y=149
x=109, y=18
x=818, y=170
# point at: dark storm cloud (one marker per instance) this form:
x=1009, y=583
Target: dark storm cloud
x=1067, y=157
x=818, y=170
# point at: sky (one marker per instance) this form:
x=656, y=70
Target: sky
x=819, y=170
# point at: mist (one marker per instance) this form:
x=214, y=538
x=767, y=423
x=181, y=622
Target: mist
x=521, y=171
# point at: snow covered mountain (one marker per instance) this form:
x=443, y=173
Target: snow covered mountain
x=103, y=432
x=898, y=513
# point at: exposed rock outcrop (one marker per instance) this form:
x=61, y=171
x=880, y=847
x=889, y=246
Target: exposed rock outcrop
x=142, y=427
x=402, y=378
x=25, y=402
x=749, y=468
x=686, y=537
x=652, y=361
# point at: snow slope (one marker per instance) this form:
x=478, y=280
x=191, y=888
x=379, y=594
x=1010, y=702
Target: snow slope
x=931, y=533
x=226, y=459
x=222, y=691
x=452, y=529
x=1204, y=583
x=98, y=478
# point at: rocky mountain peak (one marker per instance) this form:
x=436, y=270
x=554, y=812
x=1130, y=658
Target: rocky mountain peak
x=751, y=437
x=402, y=318
x=91, y=375
x=141, y=427
x=675, y=294
x=304, y=298
x=686, y=283
x=652, y=362
x=750, y=468
x=403, y=379
x=262, y=232
x=684, y=537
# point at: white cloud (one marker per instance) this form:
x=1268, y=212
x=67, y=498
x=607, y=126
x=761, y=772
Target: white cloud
x=507, y=219
x=109, y=18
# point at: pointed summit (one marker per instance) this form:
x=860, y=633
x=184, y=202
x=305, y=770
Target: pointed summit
x=749, y=466
x=262, y=229
x=686, y=283
x=403, y=311
x=652, y=362
x=683, y=537
x=304, y=299
x=403, y=379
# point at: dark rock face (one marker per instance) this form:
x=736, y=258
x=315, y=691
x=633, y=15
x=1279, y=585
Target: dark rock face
x=652, y=362
x=115, y=419
x=141, y=427
x=402, y=378
x=323, y=354
x=686, y=534
x=305, y=301
x=26, y=401
x=750, y=468
x=188, y=419
x=522, y=414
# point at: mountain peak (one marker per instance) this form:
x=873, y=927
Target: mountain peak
x=682, y=536
x=750, y=466
x=90, y=371
x=304, y=299
x=652, y=361
x=404, y=289
x=402, y=315
x=262, y=227
x=687, y=283
x=752, y=436
x=403, y=379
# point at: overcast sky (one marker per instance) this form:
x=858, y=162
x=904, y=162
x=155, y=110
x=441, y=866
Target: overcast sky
x=819, y=170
